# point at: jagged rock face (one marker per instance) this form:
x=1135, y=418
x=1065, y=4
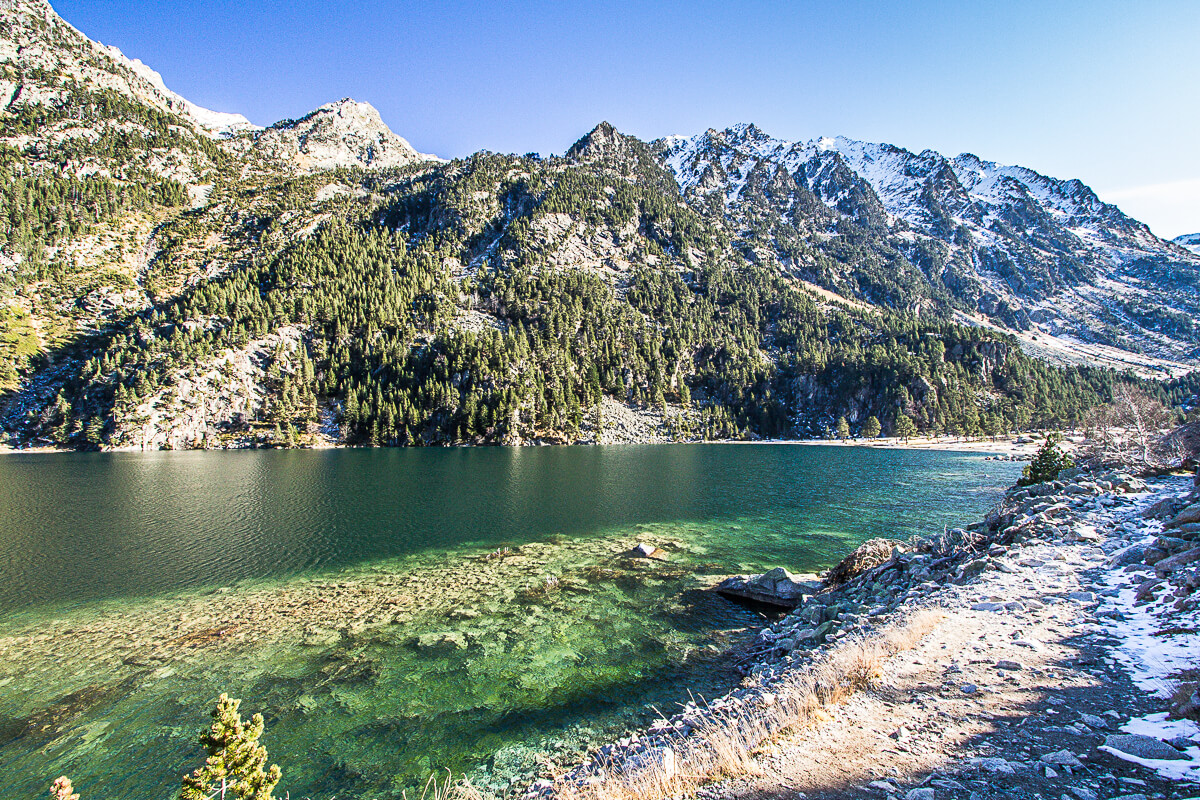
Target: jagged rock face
x=341, y=134
x=1023, y=249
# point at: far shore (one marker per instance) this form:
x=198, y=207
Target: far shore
x=1022, y=447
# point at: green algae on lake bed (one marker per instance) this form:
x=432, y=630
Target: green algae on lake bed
x=377, y=675
x=393, y=613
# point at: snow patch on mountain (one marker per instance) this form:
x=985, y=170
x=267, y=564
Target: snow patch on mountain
x=1189, y=241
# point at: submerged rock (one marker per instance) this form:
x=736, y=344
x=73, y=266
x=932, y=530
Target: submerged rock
x=778, y=588
x=644, y=550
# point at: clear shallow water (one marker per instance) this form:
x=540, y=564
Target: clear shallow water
x=349, y=595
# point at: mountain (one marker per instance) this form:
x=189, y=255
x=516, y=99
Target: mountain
x=1190, y=241
x=171, y=277
x=341, y=134
x=920, y=230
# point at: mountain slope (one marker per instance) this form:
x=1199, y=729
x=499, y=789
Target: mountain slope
x=174, y=279
x=920, y=230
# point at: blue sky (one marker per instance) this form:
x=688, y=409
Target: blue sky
x=1105, y=91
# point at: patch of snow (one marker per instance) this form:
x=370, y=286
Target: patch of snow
x=1189, y=241
x=1157, y=726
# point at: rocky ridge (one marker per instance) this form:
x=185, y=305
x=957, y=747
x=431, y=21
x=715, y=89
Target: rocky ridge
x=1026, y=251
x=343, y=134
x=1070, y=628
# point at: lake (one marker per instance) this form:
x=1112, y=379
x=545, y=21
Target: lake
x=396, y=611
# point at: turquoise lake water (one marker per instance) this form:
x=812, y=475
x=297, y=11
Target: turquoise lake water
x=392, y=612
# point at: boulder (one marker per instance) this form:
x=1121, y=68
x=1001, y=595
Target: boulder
x=866, y=556
x=1134, y=554
x=1189, y=514
x=643, y=550
x=1166, y=566
x=1062, y=758
x=1163, y=509
x=1143, y=747
x=778, y=588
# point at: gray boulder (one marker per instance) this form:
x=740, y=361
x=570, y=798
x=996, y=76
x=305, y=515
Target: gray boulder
x=1164, y=509
x=1134, y=554
x=1144, y=747
x=1168, y=565
x=778, y=588
x=1189, y=514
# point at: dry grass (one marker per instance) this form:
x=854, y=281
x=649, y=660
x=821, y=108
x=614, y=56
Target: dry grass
x=448, y=789
x=725, y=745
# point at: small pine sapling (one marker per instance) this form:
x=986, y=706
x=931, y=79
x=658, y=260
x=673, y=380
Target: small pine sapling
x=234, y=767
x=1046, y=463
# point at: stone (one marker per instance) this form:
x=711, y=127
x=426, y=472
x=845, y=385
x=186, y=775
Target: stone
x=969, y=688
x=1134, y=554
x=1092, y=721
x=1168, y=565
x=1009, y=665
x=1062, y=758
x=996, y=766
x=882, y=786
x=1189, y=514
x=1152, y=555
x=988, y=607
x=921, y=793
x=642, y=550
x=1135, y=744
x=1146, y=590
x=778, y=588
x=1163, y=509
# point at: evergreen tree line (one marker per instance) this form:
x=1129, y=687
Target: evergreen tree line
x=383, y=301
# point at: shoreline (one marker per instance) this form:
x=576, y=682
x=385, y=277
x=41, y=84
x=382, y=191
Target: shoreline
x=1045, y=604
x=1022, y=447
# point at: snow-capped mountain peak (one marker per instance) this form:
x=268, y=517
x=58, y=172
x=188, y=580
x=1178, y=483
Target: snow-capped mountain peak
x=1190, y=241
x=1024, y=249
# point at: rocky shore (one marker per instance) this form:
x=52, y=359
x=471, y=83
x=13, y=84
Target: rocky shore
x=1065, y=664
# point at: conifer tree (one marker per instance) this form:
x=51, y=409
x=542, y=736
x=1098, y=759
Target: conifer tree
x=871, y=427
x=843, y=428
x=234, y=767
x=905, y=426
x=1047, y=463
